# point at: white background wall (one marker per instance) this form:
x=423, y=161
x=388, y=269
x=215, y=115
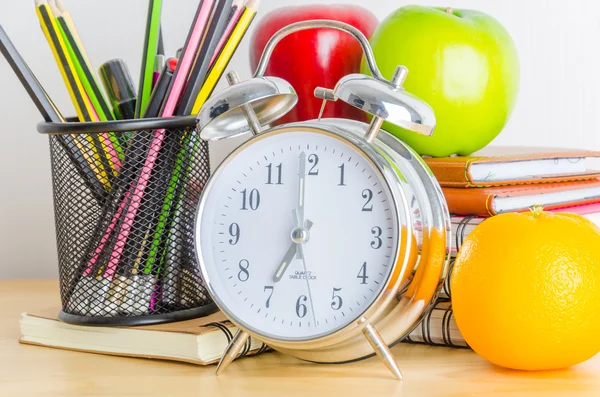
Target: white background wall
x=558, y=105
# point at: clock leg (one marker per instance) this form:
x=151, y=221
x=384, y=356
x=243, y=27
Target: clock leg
x=232, y=351
x=382, y=350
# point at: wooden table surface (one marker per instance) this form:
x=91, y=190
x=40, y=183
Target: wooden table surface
x=428, y=371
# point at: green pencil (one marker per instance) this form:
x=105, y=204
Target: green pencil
x=169, y=200
x=151, y=44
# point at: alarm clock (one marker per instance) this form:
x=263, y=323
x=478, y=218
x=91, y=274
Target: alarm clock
x=328, y=240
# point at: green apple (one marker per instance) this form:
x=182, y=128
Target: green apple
x=462, y=62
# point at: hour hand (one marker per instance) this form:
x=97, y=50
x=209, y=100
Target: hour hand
x=289, y=256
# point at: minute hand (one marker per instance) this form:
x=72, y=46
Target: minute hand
x=301, y=188
x=310, y=299
x=299, y=213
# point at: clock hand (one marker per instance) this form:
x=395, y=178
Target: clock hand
x=297, y=232
x=310, y=300
x=285, y=262
x=289, y=256
x=308, y=224
x=301, y=188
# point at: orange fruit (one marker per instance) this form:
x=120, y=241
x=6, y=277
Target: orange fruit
x=526, y=290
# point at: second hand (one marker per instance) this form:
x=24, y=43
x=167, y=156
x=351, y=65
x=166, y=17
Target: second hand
x=312, y=306
x=300, y=250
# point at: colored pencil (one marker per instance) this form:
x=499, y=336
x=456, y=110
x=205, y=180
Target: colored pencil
x=67, y=69
x=99, y=110
x=151, y=46
x=50, y=113
x=215, y=31
x=160, y=49
x=175, y=90
x=225, y=56
x=161, y=88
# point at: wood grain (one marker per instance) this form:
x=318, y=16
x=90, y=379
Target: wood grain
x=428, y=371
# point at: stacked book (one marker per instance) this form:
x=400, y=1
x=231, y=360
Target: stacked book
x=498, y=180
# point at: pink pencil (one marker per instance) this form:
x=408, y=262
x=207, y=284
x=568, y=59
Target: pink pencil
x=177, y=86
x=110, y=270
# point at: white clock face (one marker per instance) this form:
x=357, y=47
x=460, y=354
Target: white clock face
x=297, y=235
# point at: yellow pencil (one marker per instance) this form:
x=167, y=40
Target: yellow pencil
x=73, y=84
x=95, y=103
x=225, y=56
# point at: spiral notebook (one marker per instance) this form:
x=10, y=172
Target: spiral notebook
x=438, y=328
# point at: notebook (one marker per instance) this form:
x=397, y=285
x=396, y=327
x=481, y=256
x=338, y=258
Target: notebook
x=438, y=328
x=498, y=166
x=498, y=200
x=201, y=341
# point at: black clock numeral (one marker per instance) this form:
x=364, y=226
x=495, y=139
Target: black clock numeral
x=251, y=200
x=301, y=307
x=362, y=273
x=270, y=174
x=314, y=160
x=244, y=274
x=336, y=303
x=268, y=288
x=342, y=167
x=234, y=232
x=377, y=243
x=367, y=194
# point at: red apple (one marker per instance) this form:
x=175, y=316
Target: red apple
x=314, y=58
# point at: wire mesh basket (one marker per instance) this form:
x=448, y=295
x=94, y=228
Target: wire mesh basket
x=125, y=204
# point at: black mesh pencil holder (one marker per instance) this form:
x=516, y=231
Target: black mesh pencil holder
x=124, y=204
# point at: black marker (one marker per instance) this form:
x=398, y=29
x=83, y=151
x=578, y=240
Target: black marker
x=119, y=87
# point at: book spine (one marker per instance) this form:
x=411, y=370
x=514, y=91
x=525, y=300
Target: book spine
x=470, y=201
x=451, y=174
